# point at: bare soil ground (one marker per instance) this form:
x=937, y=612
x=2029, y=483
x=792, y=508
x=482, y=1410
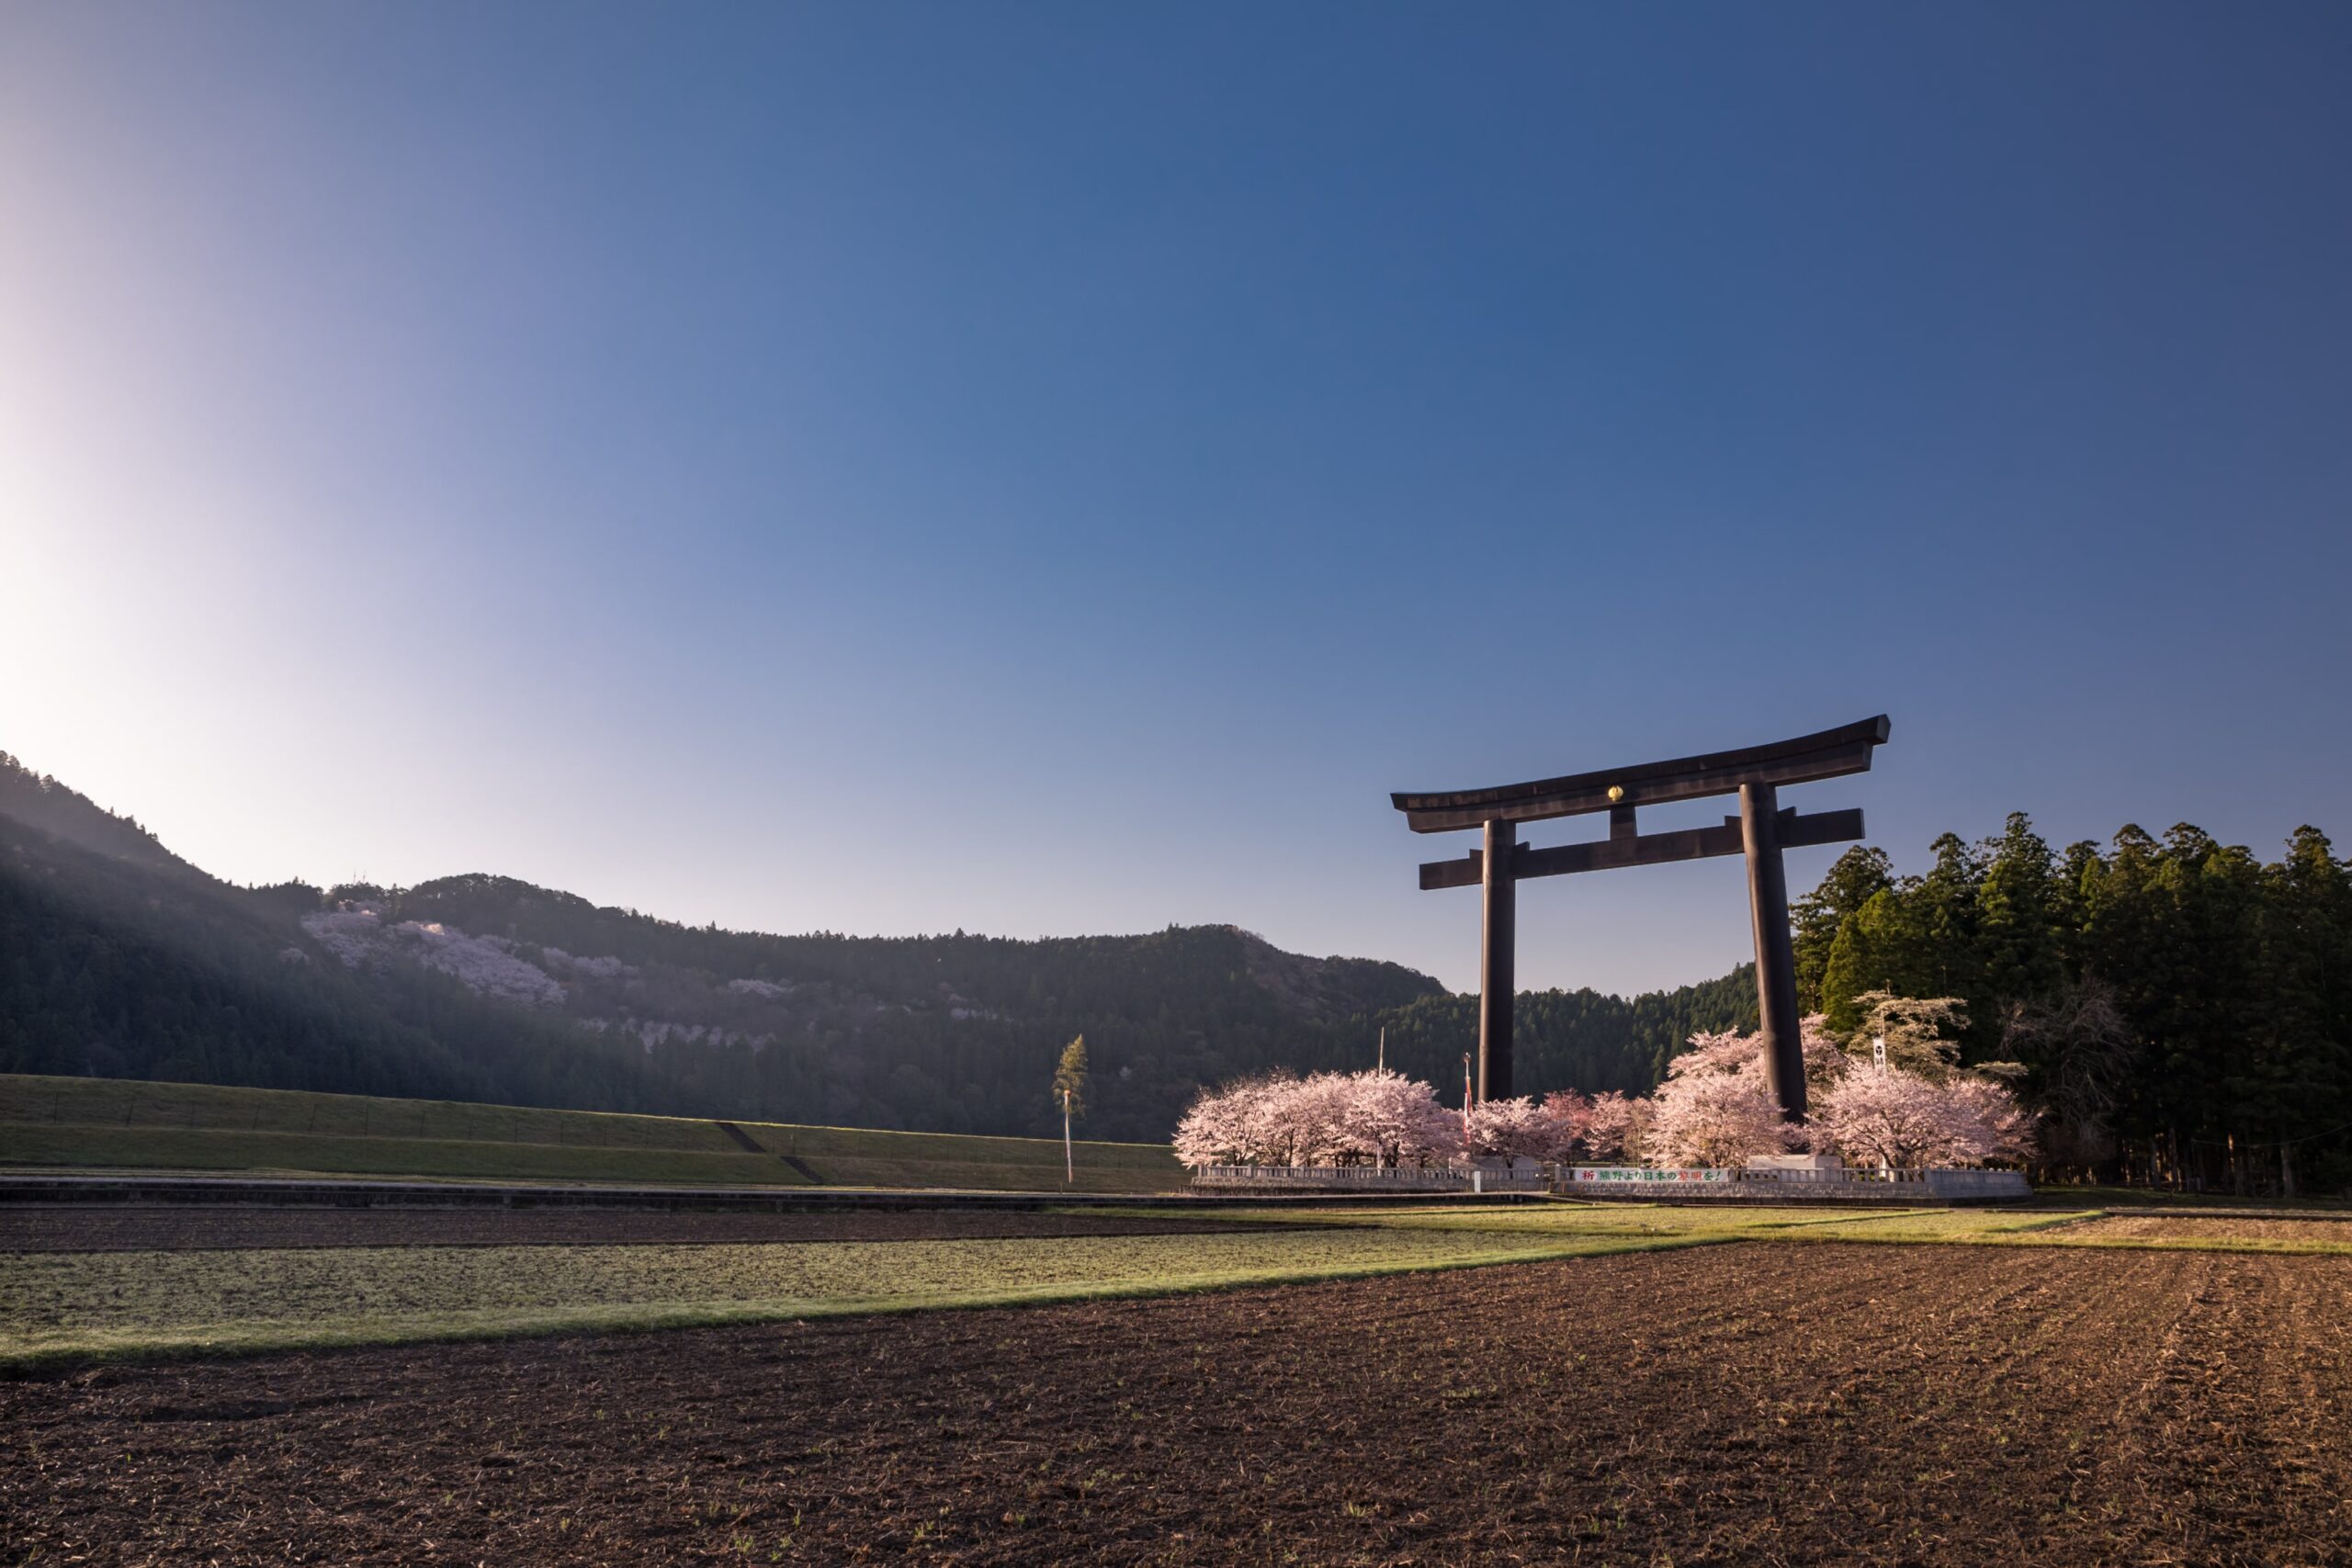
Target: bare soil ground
x=2212, y=1227
x=171, y=1229
x=1747, y=1404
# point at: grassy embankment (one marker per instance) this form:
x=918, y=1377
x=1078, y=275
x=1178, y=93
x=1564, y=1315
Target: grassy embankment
x=113, y=1123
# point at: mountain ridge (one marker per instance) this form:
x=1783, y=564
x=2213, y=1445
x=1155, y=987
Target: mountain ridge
x=119, y=959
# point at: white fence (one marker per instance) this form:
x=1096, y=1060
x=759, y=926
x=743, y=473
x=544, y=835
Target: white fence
x=1911, y=1186
x=1629, y=1182
x=1375, y=1179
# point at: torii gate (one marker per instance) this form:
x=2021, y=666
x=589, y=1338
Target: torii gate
x=1761, y=830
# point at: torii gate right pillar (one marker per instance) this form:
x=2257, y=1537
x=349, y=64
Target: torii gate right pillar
x=1776, y=962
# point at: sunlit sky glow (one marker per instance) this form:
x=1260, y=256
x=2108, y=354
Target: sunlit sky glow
x=1055, y=468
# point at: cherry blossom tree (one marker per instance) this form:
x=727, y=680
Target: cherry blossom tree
x=1999, y=1128
x=1573, y=1112
x=1888, y=1116
x=1716, y=1051
x=1219, y=1127
x=1614, y=1124
x=1511, y=1129
x=1716, y=1107
x=1568, y=1105
x=1729, y=1051
x=1377, y=1118
x=1285, y=1118
x=1394, y=1120
x=1715, y=1119
x=1884, y=1116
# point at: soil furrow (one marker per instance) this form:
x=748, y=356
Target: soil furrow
x=69, y=1229
x=1746, y=1404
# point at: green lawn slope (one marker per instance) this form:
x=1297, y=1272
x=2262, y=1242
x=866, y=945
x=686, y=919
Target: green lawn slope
x=115, y=1123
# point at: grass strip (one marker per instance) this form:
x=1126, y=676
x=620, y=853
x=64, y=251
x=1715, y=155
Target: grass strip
x=1945, y=1224
x=1581, y=1219
x=261, y=1336
x=939, y=1165
x=63, y=1310
x=1892, y=1227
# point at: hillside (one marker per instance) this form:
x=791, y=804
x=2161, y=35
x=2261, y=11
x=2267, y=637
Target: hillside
x=128, y=1125
x=120, y=960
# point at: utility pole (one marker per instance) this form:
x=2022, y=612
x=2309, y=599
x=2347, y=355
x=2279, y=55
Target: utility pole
x=1070, y=1163
x=1383, y=1065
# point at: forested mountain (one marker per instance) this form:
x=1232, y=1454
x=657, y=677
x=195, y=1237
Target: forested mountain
x=117, y=958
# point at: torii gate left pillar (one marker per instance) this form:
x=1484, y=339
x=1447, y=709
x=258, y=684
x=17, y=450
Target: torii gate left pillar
x=1498, y=984
x=1776, y=958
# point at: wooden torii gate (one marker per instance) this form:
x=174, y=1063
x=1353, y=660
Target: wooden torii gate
x=1761, y=830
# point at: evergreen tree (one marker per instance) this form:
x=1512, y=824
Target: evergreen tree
x=1069, y=1079
x=2297, y=1076
x=1883, y=946
x=2018, y=956
x=1859, y=874
x=1948, y=900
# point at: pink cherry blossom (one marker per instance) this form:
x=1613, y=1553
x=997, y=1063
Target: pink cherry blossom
x=1715, y=1119
x=1614, y=1126
x=1375, y=1118
x=1878, y=1115
x=1509, y=1129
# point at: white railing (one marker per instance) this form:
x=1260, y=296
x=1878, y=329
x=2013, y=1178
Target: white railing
x=1611, y=1180
x=1621, y=1181
x=1374, y=1178
x=1834, y=1176
x=1647, y=1177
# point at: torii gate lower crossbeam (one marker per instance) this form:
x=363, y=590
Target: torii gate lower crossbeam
x=1761, y=830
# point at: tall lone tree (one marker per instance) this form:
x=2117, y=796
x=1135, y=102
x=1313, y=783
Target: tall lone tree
x=1069, y=1078
x=1069, y=1094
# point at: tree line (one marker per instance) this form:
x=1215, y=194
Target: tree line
x=2180, y=1009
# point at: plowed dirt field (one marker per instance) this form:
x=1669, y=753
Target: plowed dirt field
x=1746, y=1403
x=2336, y=1231
x=166, y=1229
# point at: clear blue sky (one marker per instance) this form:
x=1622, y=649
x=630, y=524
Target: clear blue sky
x=1055, y=468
